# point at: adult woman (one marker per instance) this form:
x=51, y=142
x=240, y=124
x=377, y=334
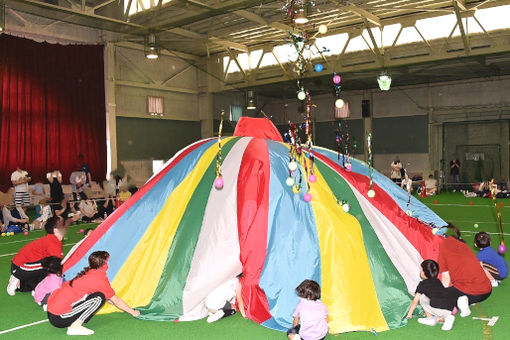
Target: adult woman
x=460, y=267
x=67, y=306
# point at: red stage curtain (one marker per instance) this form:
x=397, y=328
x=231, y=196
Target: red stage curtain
x=52, y=108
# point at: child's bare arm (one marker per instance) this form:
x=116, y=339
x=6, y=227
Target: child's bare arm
x=415, y=302
x=295, y=322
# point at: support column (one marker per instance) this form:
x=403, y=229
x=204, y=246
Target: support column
x=111, y=112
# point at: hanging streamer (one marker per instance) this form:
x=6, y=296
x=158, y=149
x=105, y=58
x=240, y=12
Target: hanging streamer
x=218, y=182
x=371, y=192
x=502, y=247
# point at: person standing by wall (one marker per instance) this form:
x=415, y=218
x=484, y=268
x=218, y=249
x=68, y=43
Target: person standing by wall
x=20, y=179
x=396, y=167
x=455, y=173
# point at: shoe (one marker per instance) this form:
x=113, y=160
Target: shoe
x=448, y=323
x=463, y=304
x=296, y=337
x=45, y=307
x=216, y=316
x=79, y=331
x=13, y=285
x=228, y=312
x=494, y=283
x=33, y=293
x=428, y=321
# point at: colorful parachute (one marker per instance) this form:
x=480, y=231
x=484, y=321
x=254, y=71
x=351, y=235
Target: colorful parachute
x=179, y=237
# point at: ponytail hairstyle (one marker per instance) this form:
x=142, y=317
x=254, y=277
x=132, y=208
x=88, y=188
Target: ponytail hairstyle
x=52, y=265
x=96, y=260
x=457, y=232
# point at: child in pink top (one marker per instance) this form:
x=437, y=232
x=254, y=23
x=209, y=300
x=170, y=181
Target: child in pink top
x=51, y=282
x=311, y=315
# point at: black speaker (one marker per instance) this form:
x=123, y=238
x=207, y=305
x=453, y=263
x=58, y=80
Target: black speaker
x=365, y=108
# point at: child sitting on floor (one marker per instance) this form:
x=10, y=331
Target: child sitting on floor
x=311, y=315
x=434, y=298
x=225, y=300
x=50, y=283
x=494, y=265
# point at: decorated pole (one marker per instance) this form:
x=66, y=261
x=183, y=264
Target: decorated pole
x=502, y=247
x=218, y=182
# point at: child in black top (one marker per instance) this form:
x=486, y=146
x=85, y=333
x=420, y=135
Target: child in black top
x=434, y=298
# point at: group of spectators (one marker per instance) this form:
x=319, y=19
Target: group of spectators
x=78, y=207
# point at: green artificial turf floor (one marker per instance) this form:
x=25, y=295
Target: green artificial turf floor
x=21, y=310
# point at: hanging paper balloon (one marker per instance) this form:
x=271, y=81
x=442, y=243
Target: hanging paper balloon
x=307, y=197
x=348, y=167
x=323, y=29
x=290, y=181
x=301, y=95
x=339, y=103
x=435, y=230
x=346, y=207
x=337, y=79
x=292, y=166
x=502, y=248
x=312, y=178
x=318, y=67
x=218, y=183
x=371, y=193
x=296, y=189
x=410, y=213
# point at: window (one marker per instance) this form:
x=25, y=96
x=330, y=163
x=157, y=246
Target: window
x=236, y=112
x=155, y=106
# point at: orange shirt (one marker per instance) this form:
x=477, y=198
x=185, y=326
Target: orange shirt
x=466, y=273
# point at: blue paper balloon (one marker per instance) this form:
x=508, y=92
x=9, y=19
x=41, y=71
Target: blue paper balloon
x=318, y=67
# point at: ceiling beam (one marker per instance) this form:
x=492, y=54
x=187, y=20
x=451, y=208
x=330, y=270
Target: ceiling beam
x=229, y=44
x=166, y=52
x=465, y=40
x=187, y=33
x=461, y=4
x=260, y=20
x=377, y=52
x=364, y=14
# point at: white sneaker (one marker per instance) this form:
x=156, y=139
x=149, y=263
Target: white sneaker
x=296, y=337
x=79, y=331
x=13, y=285
x=448, y=323
x=432, y=321
x=45, y=307
x=463, y=304
x=216, y=316
x=494, y=283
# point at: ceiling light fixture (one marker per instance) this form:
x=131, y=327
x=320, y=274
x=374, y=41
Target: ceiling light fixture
x=251, y=101
x=384, y=81
x=301, y=17
x=151, y=47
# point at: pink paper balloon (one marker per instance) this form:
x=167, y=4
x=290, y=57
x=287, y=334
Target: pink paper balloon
x=308, y=197
x=502, y=249
x=312, y=178
x=218, y=183
x=26, y=233
x=337, y=79
x=348, y=167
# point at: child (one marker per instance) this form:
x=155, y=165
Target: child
x=222, y=301
x=50, y=283
x=435, y=299
x=45, y=212
x=311, y=315
x=494, y=266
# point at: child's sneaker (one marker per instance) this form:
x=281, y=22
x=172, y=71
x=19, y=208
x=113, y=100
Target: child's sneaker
x=432, y=321
x=216, y=316
x=45, y=307
x=13, y=285
x=448, y=323
x=494, y=283
x=463, y=304
x=79, y=331
x=296, y=337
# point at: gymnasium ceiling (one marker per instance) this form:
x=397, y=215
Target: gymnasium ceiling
x=219, y=28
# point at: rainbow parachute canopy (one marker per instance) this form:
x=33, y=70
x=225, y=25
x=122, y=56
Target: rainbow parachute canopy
x=178, y=237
